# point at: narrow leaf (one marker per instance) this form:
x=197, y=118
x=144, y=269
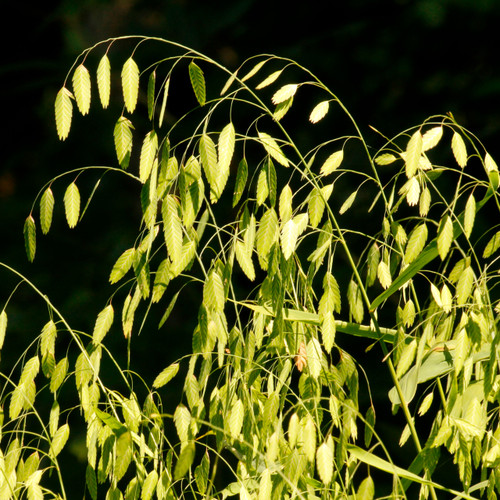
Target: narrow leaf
x=186, y=459
x=324, y=460
x=29, y=232
x=413, y=153
x=172, y=227
x=432, y=137
x=164, y=102
x=227, y=139
x=348, y=203
x=104, y=80
x=123, y=140
x=72, y=204
x=241, y=180
x=492, y=246
x=64, y=112
x=151, y=94
x=197, y=82
x=59, y=440
x=148, y=154
x=103, y=324
x=46, y=210
x=3, y=327
x=284, y=93
x=445, y=236
x=254, y=70
x=81, y=88
x=272, y=148
x=469, y=215
x=270, y=79
x=459, y=149
x=288, y=237
x=130, y=84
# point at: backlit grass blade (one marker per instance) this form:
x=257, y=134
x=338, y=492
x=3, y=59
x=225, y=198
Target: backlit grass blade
x=46, y=210
x=82, y=88
x=198, y=83
x=104, y=80
x=130, y=84
x=29, y=232
x=64, y=112
x=72, y=204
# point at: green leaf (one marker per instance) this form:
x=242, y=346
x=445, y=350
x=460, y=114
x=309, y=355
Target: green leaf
x=64, y=112
x=166, y=375
x=29, y=232
x=492, y=246
x=164, y=102
x=227, y=140
x=445, y=236
x=48, y=338
x=432, y=137
x=197, y=82
x=284, y=93
x=262, y=187
x=130, y=84
x=172, y=227
x=235, y=418
x=241, y=180
x=309, y=438
x=469, y=215
x=213, y=292
x=325, y=460
x=459, y=149
x=355, y=301
x=201, y=473
x=464, y=286
x=81, y=88
x=148, y=155
x=3, y=327
x=416, y=243
x=149, y=485
x=124, y=454
x=328, y=330
x=104, y=80
x=91, y=481
x=332, y=162
x=366, y=490
x=348, y=203
x=208, y=155
x=285, y=204
x=319, y=111
x=59, y=374
x=122, y=265
x=267, y=234
x=151, y=94
x=413, y=154
x=288, y=238
x=72, y=204
x=272, y=148
x=59, y=440
x=254, y=70
x=384, y=274
x=123, y=140
x=269, y=80
x=182, y=421
x=385, y=159
x=103, y=324
x=46, y=210
x=244, y=259
x=186, y=459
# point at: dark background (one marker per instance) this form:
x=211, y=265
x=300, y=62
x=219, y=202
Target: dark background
x=392, y=63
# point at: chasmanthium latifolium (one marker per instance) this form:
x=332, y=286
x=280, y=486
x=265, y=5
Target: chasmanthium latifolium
x=272, y=399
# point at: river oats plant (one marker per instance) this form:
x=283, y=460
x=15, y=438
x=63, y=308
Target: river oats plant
x=303, y=257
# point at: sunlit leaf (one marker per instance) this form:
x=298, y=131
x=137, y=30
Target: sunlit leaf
x=59, y=374
x=262, y=187
x=384, y=274
x=348, y=202
x=432, y=137
x=413, y=153
x=324, y=460
x=72, y=204
x=245, y=260
x=319, y=111
x=3, y=327
x=272, y=148
x=226, y=143
x=148, y=154
x=445, y=236
x=288, y=238
x=130, y=84
x=103, y=324
x=492, y=246
x=284, y=93
x=164, y=102
x=122, y=265
x=59, y=440
x=235, y=418
x=416, y=243
x=186, y=459
x=81, y=88
x=355, y=301
x=267, y=234
x=64, y=112
x=46, y=210
x=464, y=286
x=459, y=149
x=166, y=375
x=285, y=204
x=385, y=159
x=197, y=82
x=123, y=140
x=332, y=162
x=104, y=80
x=270, y=79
